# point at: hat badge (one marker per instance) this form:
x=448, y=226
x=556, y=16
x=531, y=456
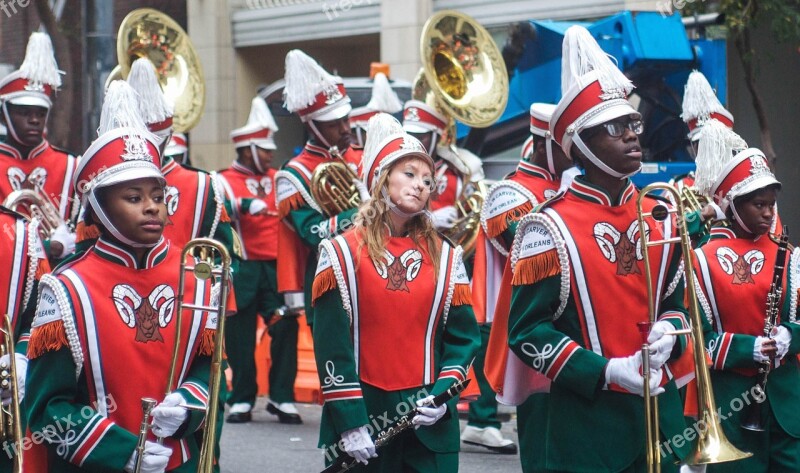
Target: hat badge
x=413, y=145
x=333, y=96
x=758, y=165
x=34, y=86
x=412, y=114
x=136, y=149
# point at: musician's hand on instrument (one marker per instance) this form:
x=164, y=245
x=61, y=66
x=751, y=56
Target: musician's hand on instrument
x=363, y=192
x=257, y=207
x=712, y=212
x=626, y=372
x=693, y=469
x=168, y=415
x=661, y=343
x=445, y=217
x=427, y=414
x=22, y=368
x=358, y=444
x=764, y=349
x=783, y=338
x=155, y=458
x=63, y=237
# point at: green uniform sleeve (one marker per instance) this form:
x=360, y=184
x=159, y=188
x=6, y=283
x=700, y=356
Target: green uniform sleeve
x=333, y=350
x=312, y=227
x=53, y=412
x=535, y=339
x=461, y=340
x=727, y=350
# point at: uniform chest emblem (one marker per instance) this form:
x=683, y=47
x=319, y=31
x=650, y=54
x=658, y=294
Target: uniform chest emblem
x=622, y=248
x=742, y=268
x=33, y=181
x=398, y=272
x=172, y=198
x=148, y=315
x=259, y=187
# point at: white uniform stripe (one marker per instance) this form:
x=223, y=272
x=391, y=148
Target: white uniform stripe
x=91, y=337
x=350, y=272
x=712, y=299
x=197, y=318
x=21, y=236
x=199, y=203
x=583, y=293
x=65, y=194
x=431, y=330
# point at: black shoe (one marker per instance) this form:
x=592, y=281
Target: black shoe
x=239, y=417
x=283, y=417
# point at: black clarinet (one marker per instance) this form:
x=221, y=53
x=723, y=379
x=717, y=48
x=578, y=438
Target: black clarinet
x=346, y=462
x=752, y=418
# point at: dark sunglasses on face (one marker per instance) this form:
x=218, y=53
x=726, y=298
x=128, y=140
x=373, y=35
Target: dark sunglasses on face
x=616, y=128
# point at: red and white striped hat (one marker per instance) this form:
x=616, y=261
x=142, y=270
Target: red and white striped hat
x=260, y=128
x=594, y=90
x=701, y=104
x=386, y=144
x=36, y=79
x=746, y=172
x=541, y=113
x=312, y=92
x=178, y=144
x=418, y=117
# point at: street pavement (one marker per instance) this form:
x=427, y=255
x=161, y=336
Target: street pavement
x=264, y=445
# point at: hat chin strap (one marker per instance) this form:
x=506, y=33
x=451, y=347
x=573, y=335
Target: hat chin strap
x=101, y=214
x=317, y=134
x=359, y=136
x=256, y=161
x=10, y=126
x=739, y=220
x=548, y=144
x=600, y=164
x=394, y=208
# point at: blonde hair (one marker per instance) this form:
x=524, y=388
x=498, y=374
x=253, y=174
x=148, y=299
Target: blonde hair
x=372, y=220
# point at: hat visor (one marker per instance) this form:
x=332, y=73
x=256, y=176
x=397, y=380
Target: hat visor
x=263, y=144
x=755, y=185
x=621, y=109
x=144, y=171
x=173, y=150
x=30, y=100
x=336, y=112
x=416, y=128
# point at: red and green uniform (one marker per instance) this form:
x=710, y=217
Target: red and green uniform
x=23, y=264
x=257, y=288
x=46, y=169
x=363, y=308
x=579, y=291
x=303, y=223
x=99, y=344
x=506, y=203
x=733, y=279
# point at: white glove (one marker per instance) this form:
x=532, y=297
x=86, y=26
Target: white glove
x=155, y=458
x=168, y=417
x=661, y=344
x=445, y=217
x=783, y=338
x=759, y=357
x=22, y=369
x=67, y=240
x=256, y=207
x=358, y=444
x=428, y=415
x=625, y=372
x=363, y=192
x=693, y=469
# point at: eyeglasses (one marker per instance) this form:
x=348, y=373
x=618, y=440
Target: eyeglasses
x=616, y=129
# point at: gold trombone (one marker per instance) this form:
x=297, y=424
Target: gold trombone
x=207, y=253
x=712, y=446
x=10, y=420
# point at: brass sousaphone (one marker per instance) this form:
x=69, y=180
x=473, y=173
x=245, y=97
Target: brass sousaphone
x=464, y=77
x=152, y=34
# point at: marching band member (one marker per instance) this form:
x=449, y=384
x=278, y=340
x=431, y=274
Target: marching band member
x=323, y=106
x=455, y=168
x=383, y=99
x=100, y=344
x=393, y=258
x=536, y=179
x=26, y=157
x=249, y=187
x=734, y=273
x=177, y=149
x=24, y=261
x=579, y=288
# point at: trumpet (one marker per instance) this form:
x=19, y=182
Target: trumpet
x=10, y=420
x=712, y=445
x=206, y=253
x=332, y=185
